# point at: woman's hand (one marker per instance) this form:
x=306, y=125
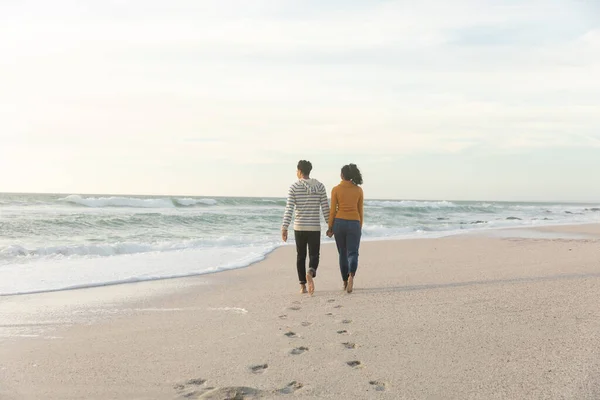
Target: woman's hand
x=329, y=232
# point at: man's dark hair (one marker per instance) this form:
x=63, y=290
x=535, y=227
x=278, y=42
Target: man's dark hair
x=305, y=167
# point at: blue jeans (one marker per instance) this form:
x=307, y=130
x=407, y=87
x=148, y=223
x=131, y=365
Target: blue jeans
x=347, y=238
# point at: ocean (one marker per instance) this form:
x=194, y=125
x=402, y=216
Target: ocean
x=54, y=242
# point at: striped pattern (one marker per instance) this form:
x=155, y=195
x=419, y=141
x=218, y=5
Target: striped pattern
x=307, y=198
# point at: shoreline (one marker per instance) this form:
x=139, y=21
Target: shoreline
x=529, y=231
x=455, y=317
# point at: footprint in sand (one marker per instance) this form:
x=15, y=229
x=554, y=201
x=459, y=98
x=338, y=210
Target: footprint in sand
x=299, y=350
x=191, y=382
x=232, y=392
x=347, y=321
x=259, y=369
x=329, y=314
x=196, y=382
x=295, y=308
x=354, y=364
x=331, y=301
x=291, y=334
x=342, y=332
x=378, y=385
x=349, y=345
x=196, y=389
x=291, y=388
x=284, y=316
x=306, y=323
x=338, y=306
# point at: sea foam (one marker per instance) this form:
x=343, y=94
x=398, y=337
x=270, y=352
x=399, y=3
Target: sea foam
x=114, y=201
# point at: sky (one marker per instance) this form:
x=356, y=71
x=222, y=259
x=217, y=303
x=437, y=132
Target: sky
x=436, y=99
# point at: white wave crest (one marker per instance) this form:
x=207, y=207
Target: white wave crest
x=410, y=204
x=120, y=248
x=98, y=202
x=118, y=202
x=187, y=202
x=102, y=250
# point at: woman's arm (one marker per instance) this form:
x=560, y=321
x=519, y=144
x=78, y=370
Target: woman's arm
x=333, y=209
x=360, y=208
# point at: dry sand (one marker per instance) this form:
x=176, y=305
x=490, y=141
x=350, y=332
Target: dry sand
x=470, y=317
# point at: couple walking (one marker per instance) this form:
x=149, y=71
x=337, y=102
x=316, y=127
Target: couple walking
x=308, y=197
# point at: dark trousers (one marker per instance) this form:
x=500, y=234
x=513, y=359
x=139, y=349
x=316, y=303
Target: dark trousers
x=347, y=238
x=312, y=240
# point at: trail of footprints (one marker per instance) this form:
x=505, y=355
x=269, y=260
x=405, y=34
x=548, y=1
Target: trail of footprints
x=199, y=389
x=356, y=364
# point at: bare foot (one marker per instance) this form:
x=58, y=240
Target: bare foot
x=311, y=283
x=350, y=284
x=303, y=289
x=345, y=286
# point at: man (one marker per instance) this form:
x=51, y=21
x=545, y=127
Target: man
x=307, y=197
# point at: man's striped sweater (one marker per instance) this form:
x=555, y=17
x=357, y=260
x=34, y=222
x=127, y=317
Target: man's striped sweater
x=307, y=197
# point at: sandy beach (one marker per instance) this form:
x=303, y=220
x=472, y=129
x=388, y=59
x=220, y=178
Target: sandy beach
x=489, y=316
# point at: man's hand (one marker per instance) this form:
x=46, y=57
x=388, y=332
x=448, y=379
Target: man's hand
x=284, y=234
x=329, y=232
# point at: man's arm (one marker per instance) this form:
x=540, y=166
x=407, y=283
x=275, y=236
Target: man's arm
x=324, y=204
x=289, y=209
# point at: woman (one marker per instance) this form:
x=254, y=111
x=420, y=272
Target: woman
x=345, y=221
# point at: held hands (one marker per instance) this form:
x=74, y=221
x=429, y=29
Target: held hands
x=329, y=232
